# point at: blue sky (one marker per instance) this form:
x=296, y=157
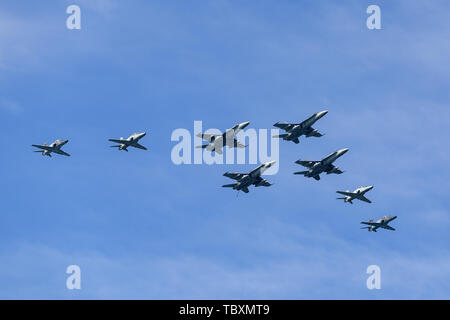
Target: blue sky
x=141, y=227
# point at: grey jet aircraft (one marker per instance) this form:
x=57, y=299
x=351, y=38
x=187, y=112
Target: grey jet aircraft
x=381, y=223
x=315, y=168
x=55, y=147
x=131, y=141
x=357, y=194
x=295, y=130
x=216, y=142
x=245, y=180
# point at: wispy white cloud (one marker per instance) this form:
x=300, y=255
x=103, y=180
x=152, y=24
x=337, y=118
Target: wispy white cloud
x=11, y=107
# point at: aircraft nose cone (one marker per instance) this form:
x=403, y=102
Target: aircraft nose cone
x=322, y=113
x=342, y=151
x=244, y=124
x=270, y=163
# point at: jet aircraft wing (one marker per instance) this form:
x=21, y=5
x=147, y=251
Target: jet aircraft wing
x=231, y=143
x=262, y=183
x=234, y=175
x=208, y=137
x=118, y=141
x=306, y=163
x=61, y=152
x=42, y=147
x=284, y=125
x=387, y=227
x=230, y=133
x=139, y=146
x=362, y=198
x=349, y=194
x=311, y=132
x=375, y=224
x=333, y=169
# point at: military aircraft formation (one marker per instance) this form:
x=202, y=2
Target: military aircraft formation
x=123, y=144
x=216, y=143
x=314, y=168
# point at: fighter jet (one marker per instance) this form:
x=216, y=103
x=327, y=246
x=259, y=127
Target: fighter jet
x=296, y=130
x=132, y=141
x=381, y=223
x=244, y=180
x=217, y=141
x=315, y=168
x=357, y=194
x=54, y=147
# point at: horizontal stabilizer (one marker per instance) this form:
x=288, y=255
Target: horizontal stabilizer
x=228, y=185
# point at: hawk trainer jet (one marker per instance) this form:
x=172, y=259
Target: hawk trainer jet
x=357, y=194
x=54, y=147
x=296, y=130
x=315, y=168
x=132, y=141
x=218, y=141
x=244, y=180
x=381, y=223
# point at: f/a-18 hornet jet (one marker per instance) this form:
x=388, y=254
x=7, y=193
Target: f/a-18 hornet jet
x=218, y=141
x=245, y=180
x=296, y=130
x=54, y=147
x=381, y=223
x=357, y=194
x=315, y=168
x=132, y=141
